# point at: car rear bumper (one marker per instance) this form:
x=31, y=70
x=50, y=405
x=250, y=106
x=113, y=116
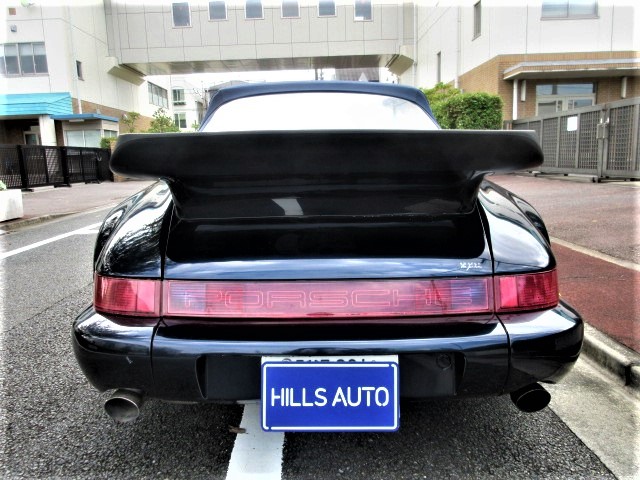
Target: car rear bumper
x=166, y=363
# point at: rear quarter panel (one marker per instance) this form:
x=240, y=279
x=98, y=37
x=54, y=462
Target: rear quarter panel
x=130, y=240
x=517, y=244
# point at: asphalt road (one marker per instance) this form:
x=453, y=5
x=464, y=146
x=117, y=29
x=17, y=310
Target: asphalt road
x=602, y=217
x=53, y=426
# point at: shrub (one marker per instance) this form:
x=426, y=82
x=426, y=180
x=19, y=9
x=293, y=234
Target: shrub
x=438, y=96
x=457, y=110
x=107, y=142
x=479, y=111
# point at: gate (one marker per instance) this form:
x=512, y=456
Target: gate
x=601, y=141
x=43, y=165
x=29, y=166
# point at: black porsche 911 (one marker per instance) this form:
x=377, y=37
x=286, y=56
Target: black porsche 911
x=325, y=248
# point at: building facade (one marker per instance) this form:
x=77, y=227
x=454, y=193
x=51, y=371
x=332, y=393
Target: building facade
x=180, y=37
x=188, y=102
x=70, y=71
x=58, y=83
x=540, y=56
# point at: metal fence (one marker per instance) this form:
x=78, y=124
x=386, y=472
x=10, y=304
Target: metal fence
x=29, y=166
x=601, y=141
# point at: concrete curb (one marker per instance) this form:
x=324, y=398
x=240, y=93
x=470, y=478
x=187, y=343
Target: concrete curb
x=619, y=360
x=12, y=225
x=27, y=222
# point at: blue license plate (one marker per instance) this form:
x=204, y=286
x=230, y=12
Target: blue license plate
x=330, y=393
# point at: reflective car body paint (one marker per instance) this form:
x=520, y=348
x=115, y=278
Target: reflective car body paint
x=491, y=233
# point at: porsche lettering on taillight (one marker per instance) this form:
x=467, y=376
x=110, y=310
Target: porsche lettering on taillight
x=358, y=298
x=326, y=299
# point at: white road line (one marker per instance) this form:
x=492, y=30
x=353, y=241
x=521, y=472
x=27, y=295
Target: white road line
x=256, y=454
x=80, y=231
x=593, y=253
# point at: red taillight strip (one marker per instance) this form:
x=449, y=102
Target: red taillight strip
x=338, y=299
x=532, y=291
x=326, y=299
x=127, y=296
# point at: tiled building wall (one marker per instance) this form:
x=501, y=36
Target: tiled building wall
x=488, y=77
x=143, y=123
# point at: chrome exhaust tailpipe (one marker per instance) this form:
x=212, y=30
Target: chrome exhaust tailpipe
x=124, y=405
x=531, y=398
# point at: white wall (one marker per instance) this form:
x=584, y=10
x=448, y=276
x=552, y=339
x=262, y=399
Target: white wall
x=77, y=30
x=38, y=24
x=142, y=31
x=142, y=100
x=437, y=32
x=516, y=28
x=192, y=94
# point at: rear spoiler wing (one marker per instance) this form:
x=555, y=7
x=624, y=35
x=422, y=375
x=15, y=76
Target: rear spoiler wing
x=250, y=175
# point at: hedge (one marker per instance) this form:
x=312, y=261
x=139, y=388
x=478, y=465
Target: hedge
x=478, y=111
x=456, y=110
x=438, y=97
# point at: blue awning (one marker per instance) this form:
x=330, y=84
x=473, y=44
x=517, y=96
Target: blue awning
x=81, y=117
x=13, y=104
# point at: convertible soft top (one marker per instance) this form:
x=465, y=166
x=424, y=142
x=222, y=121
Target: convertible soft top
x=250, y=90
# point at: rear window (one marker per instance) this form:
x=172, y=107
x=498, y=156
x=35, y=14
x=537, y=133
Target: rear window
x=319, y=111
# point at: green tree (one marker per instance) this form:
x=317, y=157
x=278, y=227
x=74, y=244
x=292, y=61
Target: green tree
x=129, y=119
x=195, y=126
x=162, y=123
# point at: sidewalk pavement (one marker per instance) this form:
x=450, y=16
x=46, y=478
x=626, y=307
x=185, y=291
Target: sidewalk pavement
x=595, y=236
x=47, y=203
x=594, y=233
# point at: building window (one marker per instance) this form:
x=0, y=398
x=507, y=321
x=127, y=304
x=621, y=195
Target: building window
x=82, y=138
x=158, y=96
x=180, y=119
x=326, y=8
x=27, y=64
x=218, y=10
x=551, y=98
x=569, y=8
x=23, y=59
x=253, y=9
x=477, y=20
x=79, y=70
x=40, y=58
x=439, y=67
x=10, y=64
x=178, y=96
x=31, y=138
x=181, y=14
x=363, y=10
x=290, y=9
